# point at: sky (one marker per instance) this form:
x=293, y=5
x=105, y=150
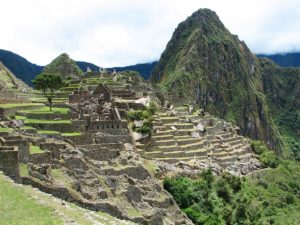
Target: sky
x=125, y=32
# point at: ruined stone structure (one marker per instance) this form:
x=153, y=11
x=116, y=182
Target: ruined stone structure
x=9, y=162
x=104, y=169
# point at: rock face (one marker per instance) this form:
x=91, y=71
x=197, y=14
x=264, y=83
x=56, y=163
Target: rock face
x=205, y=64
x=64, y=66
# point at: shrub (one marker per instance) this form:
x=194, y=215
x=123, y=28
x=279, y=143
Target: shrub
x=133, y=115
x=266, y=156
x=269, y=159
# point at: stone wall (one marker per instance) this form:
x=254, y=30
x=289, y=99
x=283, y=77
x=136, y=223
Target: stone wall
x=9, y=162
x=54, y=148
x=114, y=139
x=81, y=139
x=102, y=154
x=79, y=97
x=11, y=100
x=60, y=127
x=23, y=146
x=41, y=158
x=4, y=112
x=108, y=126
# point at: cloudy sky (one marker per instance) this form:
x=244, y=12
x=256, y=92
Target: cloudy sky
x=123, y=32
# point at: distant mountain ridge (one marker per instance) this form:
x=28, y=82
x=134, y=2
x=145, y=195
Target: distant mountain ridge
x=19, y=66
x=27, y=71
x=284, y=60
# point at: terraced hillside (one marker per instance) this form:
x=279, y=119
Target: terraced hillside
x=9, y=81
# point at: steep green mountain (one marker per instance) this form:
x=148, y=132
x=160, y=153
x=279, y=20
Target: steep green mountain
x=282, y=88
x=64, y=66
x=8, y=80
x=205, y=64
x=284, y=60
x=21, y=67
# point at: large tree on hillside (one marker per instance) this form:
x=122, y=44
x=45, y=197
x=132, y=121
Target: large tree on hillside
x=48, y=84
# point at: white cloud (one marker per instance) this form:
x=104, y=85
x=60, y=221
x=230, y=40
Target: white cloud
x=118, y=32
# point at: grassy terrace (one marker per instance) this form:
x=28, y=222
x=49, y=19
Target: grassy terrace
x=48, y=132
x=34, y=121
x=4, y=129
x=71, y=134
x=18, y=209
x=35, y=149
x=15, y=105
x=45, y=110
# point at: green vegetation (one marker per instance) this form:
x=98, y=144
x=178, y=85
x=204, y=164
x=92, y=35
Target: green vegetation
x=204, y=63
x=269, y=196
x=23, y=170
x=70, y=134
x=48, y=132
x=48, y=84
x=64, y=66
x=266, y=156
x=9, y=81
x=18, y=209
x=145, y=115
x=45, y=110
x=5, y=130
x=33, y=149
x=27, y=128
x=34, y=121
x=15, y=105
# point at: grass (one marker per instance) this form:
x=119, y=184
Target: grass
x=5, y=130
x=35, y=121
x=48, y=132
x=15, y=105
x=27, y=128
x=18, y=209
x=46, y=110
x=71, y=134
x=33, y=149
x=23, y=170
x=20, y=117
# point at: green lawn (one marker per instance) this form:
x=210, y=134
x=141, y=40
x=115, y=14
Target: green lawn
x=46, y=110
x=35, y=149
x=18, y=209
x=34, y=121
x=14, y=105
x=71, y=134
x=27, y=128
x=4, y=129
x=48, y=132
x=23, y=170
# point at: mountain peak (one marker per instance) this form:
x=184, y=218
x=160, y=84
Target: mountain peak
x=205, y=64
x=64, y=66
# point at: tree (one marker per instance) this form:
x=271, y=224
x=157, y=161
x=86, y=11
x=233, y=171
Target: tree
x=48, y=84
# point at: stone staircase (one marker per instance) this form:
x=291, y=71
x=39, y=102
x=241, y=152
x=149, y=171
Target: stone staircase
x=176, y=138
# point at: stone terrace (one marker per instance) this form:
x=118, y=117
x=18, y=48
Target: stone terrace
x=180, y=136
